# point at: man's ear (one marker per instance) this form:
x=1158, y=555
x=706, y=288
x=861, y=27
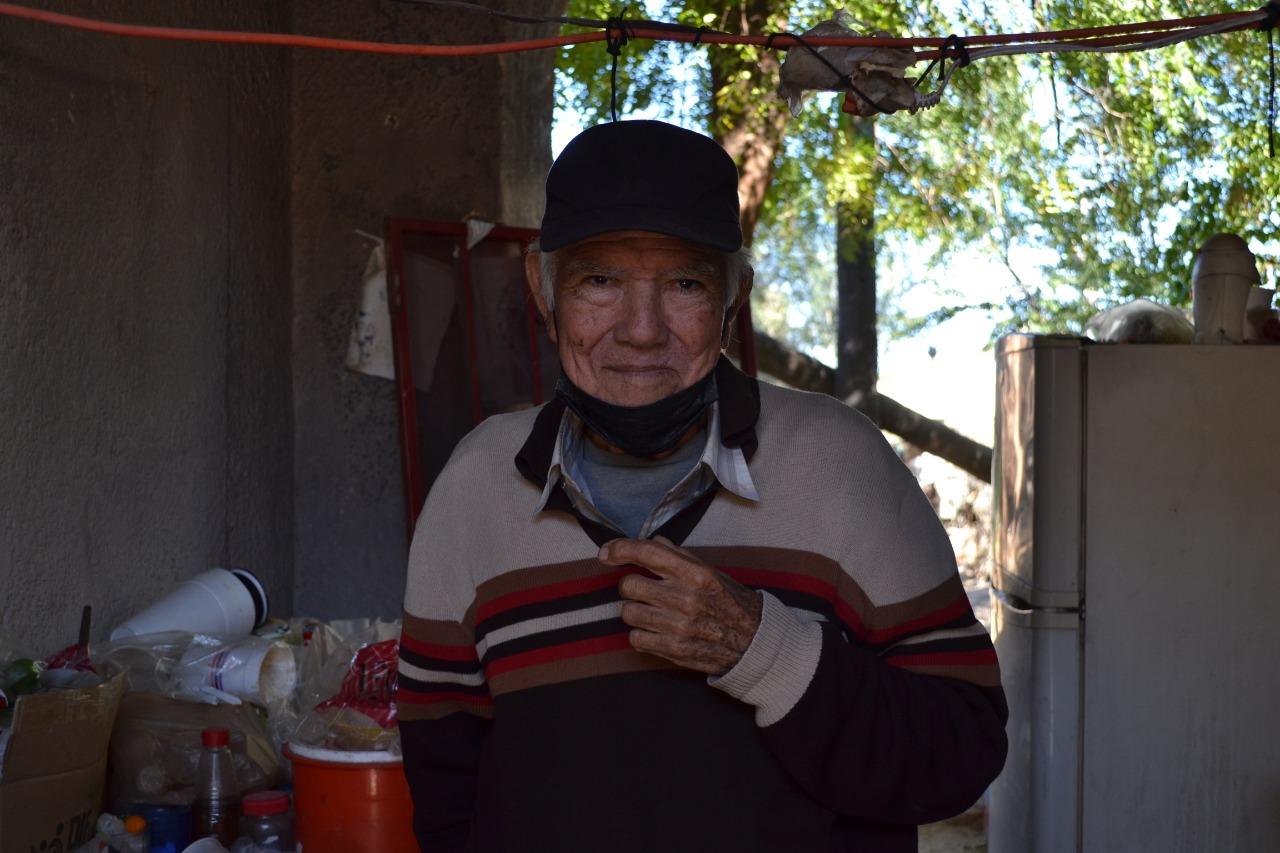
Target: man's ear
x=731, y=313
x=533, y=275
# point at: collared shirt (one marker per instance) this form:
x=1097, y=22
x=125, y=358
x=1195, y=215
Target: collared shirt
x=725, y=466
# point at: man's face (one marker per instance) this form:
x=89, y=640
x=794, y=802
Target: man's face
x=638, y=316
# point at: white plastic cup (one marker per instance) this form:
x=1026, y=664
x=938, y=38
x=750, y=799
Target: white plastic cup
x=255, y=669
x=227, y=603
x=1224, y=272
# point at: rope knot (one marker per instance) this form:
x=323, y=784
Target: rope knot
x=616, y=35
x=1272, y=10
x=960, y=52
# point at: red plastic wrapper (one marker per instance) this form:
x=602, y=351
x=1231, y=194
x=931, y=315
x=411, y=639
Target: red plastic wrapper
x=369, y=686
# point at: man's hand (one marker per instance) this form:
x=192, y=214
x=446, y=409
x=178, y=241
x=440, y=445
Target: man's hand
x=692, y=615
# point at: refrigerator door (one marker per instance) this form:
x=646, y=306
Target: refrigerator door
x=1036, y=469
x=1033, y=806
x=1181, y=749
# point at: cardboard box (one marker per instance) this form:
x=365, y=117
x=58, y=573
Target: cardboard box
x=55, y=767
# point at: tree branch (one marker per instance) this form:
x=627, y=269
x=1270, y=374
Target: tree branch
x=808, y=374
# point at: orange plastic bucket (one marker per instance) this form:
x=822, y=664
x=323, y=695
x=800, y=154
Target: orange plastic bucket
x=350, y=806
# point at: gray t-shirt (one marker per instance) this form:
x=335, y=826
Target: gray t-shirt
x=625, y=489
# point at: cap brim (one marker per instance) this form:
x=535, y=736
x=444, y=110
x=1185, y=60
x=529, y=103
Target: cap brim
x=569, y=229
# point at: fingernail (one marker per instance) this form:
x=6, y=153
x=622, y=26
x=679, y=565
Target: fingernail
x=604, y=552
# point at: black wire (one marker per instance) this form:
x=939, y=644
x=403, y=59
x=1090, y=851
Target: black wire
x=614, y=45
x=1268, y=23
x=1271, y=91
x=961, y=59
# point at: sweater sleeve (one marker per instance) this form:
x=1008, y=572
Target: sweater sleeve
x=442, y=697
x=444, y=710
x=889, y=709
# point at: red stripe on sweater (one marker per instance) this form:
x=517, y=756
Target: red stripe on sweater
x=846, y=613
x=413, y=697
x=977, y=657
x=536, y=594
x=563, y=651
x=800, y=583
x=941, y=616
x=439, y=652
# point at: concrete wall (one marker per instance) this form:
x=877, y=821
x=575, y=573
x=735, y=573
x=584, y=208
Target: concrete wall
x=145, y=422
x=178, y=276
x=374, y=137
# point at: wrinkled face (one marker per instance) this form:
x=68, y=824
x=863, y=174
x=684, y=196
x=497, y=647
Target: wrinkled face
x=638, y=316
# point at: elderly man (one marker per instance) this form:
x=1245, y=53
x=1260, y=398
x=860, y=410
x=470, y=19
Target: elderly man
x=675, y=609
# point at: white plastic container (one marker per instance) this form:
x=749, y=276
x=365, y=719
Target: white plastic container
x=1224, y=272
x=229, y=603
x=253, y=669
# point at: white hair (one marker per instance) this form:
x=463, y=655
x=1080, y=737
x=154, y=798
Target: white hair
x=736, y=266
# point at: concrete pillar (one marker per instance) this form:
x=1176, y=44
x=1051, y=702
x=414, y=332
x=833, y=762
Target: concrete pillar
x=375, y=136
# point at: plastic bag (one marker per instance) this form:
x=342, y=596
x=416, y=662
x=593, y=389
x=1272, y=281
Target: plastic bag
x=345, y=699
x=878, y=72
x=205, y=668
x=1140, y=322
x=155, y=748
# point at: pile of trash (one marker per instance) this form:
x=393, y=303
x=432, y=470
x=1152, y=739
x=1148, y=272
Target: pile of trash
x=204, y=672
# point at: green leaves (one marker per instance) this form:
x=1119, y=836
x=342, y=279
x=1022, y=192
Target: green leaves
x=1110, y=168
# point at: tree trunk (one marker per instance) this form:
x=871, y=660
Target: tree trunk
x=748, y=124
x=808, y=374
x=856, y=355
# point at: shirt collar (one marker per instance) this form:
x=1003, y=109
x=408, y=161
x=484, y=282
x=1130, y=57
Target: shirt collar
x=728, y=465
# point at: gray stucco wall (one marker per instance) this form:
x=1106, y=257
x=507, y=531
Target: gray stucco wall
x=145, y=418
x=178, y=276
x=375, y=137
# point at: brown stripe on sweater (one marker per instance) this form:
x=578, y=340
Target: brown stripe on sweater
x=444, y=632
x=874, y=618
x=573, y=669
x=532, y=577
x=436, y=710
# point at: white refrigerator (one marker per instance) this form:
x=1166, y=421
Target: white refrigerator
x=1136, y=597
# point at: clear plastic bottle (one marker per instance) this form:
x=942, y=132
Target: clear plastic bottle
x=267, y=821
x=215, y=813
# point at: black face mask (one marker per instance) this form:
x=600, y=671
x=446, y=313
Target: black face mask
x=641, y=430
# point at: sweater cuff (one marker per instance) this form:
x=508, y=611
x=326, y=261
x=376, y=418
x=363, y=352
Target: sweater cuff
x=775, y=670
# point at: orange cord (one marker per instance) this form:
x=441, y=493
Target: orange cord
x=1118, y=34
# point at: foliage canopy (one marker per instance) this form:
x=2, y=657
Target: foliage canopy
x=1108, y=170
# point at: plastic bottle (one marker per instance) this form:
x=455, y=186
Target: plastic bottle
x=135, y=838
x=214, y=813
x=267, y=822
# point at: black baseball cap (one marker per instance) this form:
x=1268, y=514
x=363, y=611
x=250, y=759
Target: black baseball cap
x=642, y=176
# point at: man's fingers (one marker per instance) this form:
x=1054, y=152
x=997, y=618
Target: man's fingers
x=655, y=556
x=650, y=618
x=674, y=547
x=650, y=591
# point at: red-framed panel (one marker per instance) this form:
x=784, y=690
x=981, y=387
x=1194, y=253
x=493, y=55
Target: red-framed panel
x=399, y=229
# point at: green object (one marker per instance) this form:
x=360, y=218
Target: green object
x=20, y=677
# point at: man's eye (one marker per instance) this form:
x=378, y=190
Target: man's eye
x=598, y=280
x=688, y=284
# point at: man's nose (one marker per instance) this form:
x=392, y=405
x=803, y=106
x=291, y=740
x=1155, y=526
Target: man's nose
x=643, y=323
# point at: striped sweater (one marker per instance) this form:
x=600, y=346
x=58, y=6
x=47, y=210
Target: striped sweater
x=868, y=703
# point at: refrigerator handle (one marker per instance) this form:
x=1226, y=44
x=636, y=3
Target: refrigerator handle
x=1015, y=611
